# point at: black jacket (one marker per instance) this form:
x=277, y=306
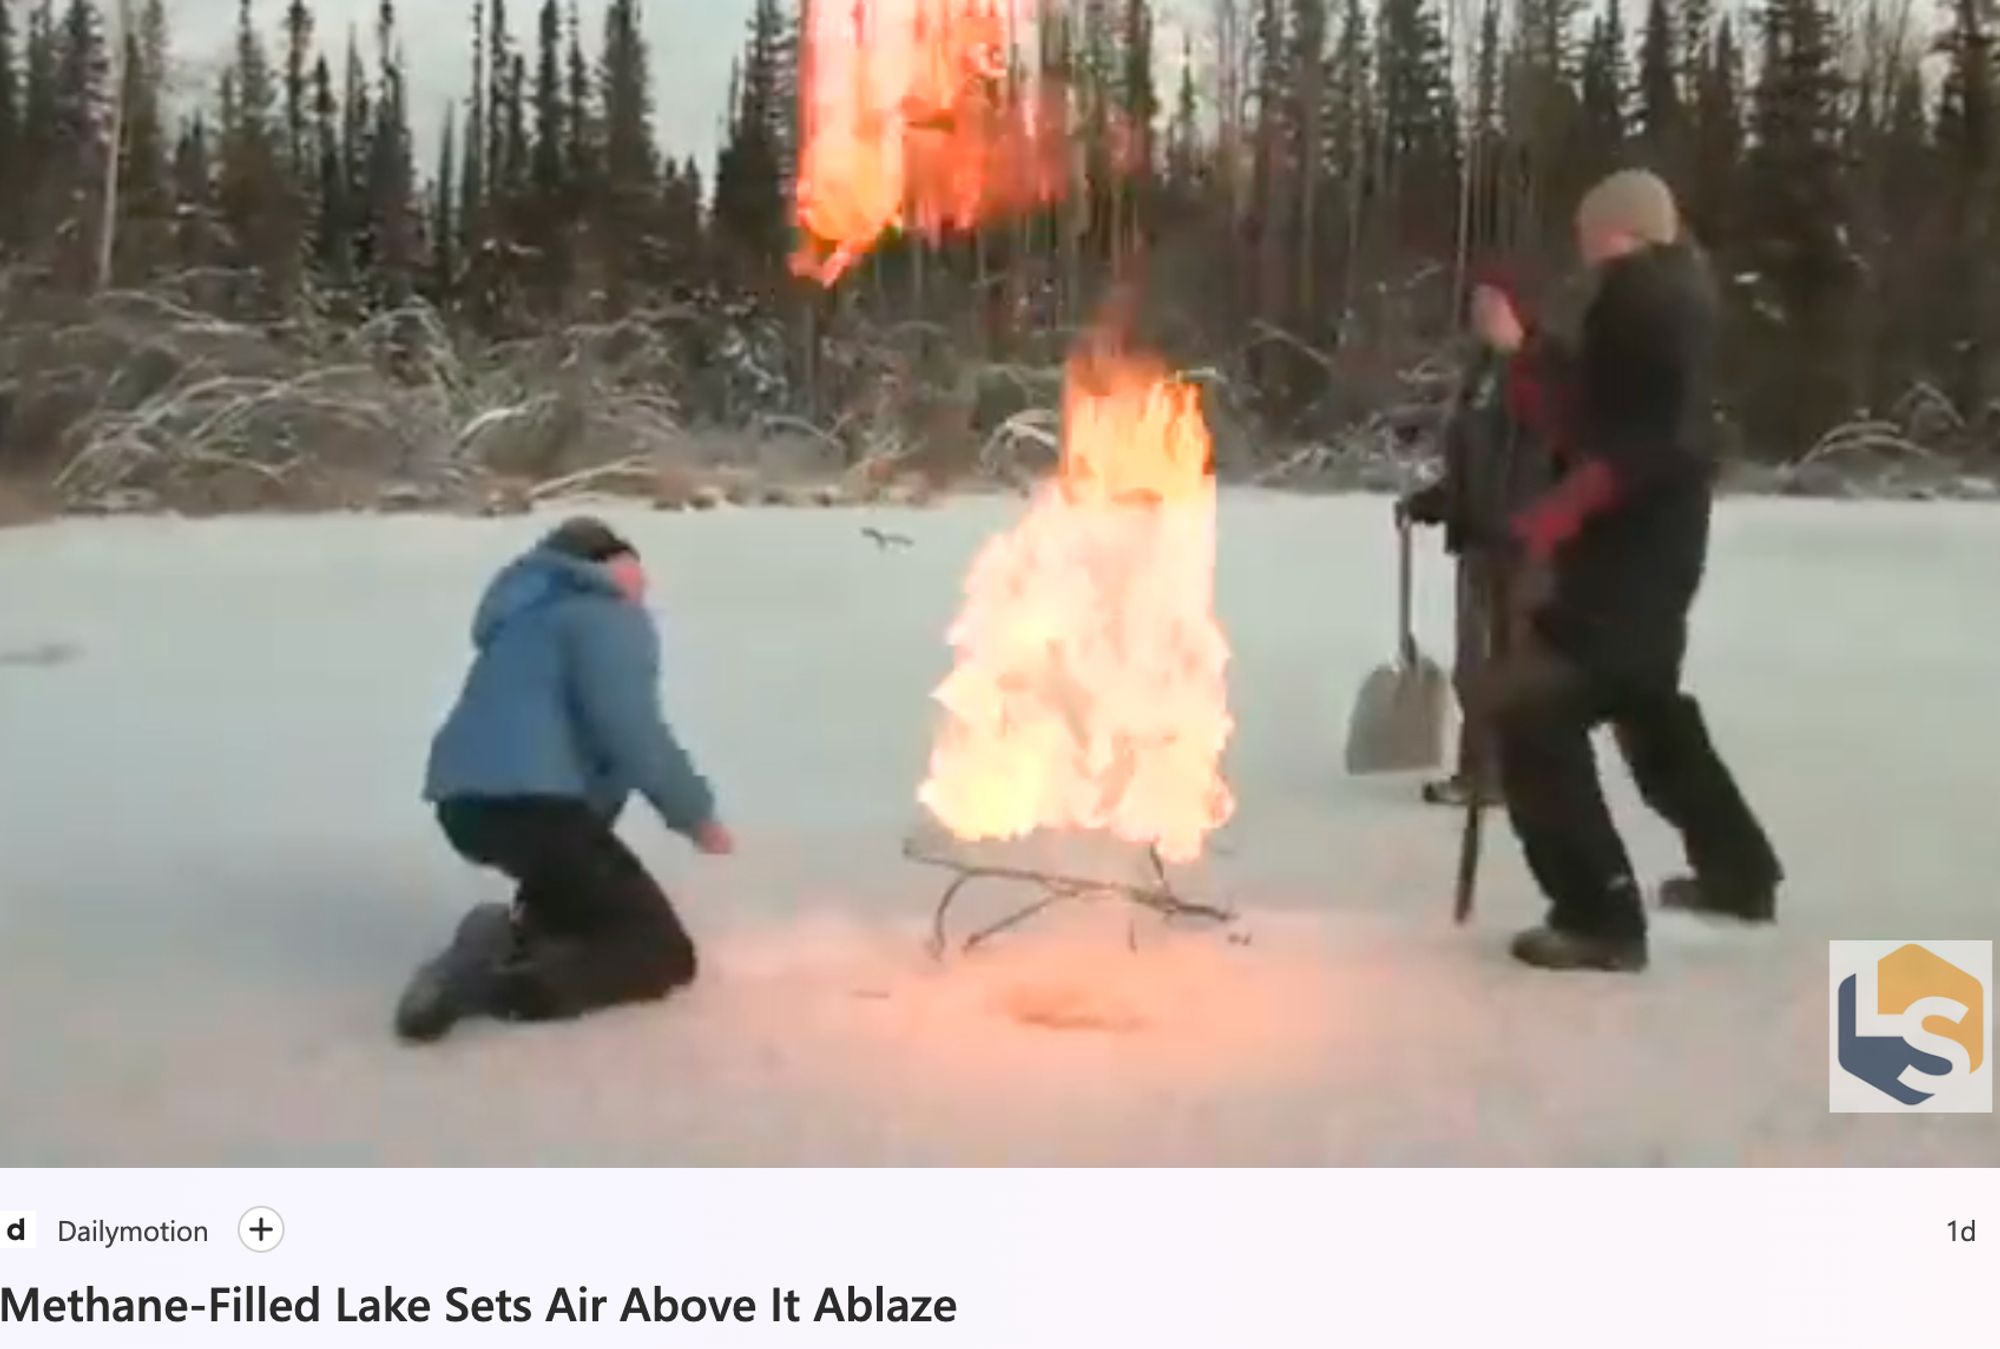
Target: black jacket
x=1493, y=464
x=1627, y=574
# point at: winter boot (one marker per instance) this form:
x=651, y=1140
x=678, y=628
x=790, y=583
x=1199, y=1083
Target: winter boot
x=1554, y=948
x=1455, y=790
x=1609, y=936
x=459, y=982
x=1747, y=903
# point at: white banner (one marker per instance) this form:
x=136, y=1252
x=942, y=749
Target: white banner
x=1000, y=1258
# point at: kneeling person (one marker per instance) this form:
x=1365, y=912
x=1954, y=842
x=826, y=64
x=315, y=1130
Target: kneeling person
x=558, y=723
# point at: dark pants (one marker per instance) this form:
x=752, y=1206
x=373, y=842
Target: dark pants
x=1547, y=708
x=593, y=929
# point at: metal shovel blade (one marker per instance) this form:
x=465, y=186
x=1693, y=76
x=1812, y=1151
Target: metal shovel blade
x=1399, y=719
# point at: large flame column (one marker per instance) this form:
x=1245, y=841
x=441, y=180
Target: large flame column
x=1089, y=687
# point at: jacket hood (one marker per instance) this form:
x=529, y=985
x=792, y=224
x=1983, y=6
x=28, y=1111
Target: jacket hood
x=532, y=581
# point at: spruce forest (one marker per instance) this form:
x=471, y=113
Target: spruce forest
x=263, y=290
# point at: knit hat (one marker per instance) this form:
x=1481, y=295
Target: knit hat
x=1634, y=202
x=587, y=538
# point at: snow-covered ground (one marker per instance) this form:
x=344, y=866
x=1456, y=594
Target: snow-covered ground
x=215, y=874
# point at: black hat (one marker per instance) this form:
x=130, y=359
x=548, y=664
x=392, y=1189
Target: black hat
x=588, y=538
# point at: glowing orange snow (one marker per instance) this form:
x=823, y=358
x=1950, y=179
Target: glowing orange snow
x=1089, y=686
x=913, y=120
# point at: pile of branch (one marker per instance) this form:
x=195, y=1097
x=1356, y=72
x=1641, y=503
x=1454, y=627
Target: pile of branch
x=1923, y=450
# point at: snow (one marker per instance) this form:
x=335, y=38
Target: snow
x=215, y=876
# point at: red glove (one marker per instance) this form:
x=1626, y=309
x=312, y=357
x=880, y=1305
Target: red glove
x=1561, y=513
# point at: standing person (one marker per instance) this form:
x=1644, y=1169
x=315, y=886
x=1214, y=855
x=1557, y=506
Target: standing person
x=1623, y=536
x=558, y=723
x=1496, y=457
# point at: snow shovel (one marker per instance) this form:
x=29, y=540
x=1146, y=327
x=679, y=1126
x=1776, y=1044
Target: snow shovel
x=1398, y=721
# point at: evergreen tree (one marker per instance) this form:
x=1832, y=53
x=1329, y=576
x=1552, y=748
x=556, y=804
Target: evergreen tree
x=1968, y=138
x=516, y=182
x=298, y=92
x=629, y=169
x=1719, y=137
x=1273, y=173
x=1697, y=55
x=333, y=230
x=582, y=123
x=1184, y=131
x=500, y=174
x=472, y=193
x=680, y=220
x=256, y=95
x=749, y=177
x=1602, y=95
x=1420, y=126
x=13, y=166
x=144, y=243
x=1486, y=156
x=194, y=195
x=391, y=195
x=1662, y=120
x=1139, y=95
x=751, y=171
x=1797, y=221
x=79, y=96
x=1543, y=114
x=551, y=108
x=357, y=129
x=37, y=139
x=1308, y=62
x=443, y=229
x=254, y=196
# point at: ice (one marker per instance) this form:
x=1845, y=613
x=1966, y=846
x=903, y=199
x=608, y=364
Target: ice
x=215, y=874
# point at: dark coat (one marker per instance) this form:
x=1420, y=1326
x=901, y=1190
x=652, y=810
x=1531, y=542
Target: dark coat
x=1629, y=523
x=1496, y=453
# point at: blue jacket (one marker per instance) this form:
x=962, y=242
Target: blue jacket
x=563, y=700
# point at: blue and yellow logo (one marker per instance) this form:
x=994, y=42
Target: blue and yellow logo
x=1912, y=1022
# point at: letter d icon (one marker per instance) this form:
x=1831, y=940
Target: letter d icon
x=17, y=1230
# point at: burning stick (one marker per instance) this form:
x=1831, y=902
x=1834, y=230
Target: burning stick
x=1158, y=898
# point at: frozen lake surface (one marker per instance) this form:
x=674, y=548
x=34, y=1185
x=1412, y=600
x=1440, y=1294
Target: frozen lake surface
x=215, y=874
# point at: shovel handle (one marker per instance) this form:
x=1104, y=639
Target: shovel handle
x=1406, y=640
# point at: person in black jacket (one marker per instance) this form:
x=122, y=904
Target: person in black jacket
x=1495, y=459
x=1622, y=540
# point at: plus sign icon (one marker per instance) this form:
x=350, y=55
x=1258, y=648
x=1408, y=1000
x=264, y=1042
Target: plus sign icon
x=261, y=1229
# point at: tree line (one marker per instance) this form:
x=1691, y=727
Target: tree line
x=1304, y=184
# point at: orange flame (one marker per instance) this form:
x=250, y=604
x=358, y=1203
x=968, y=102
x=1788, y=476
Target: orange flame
x=1089, y=686
x=914, y=119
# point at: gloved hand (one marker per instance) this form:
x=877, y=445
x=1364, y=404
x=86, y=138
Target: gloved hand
x=1425, y=506
x=1555, y=519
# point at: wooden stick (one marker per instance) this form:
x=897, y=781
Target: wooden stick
x=1056, y=889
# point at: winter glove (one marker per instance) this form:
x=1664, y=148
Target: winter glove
x=1425, y=506
x=1561, y=513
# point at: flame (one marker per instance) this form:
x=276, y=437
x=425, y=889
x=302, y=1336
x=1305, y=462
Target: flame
x=914, y=119
x=1089, y=691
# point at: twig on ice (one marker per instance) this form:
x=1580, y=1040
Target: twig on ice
x=1158, y=897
